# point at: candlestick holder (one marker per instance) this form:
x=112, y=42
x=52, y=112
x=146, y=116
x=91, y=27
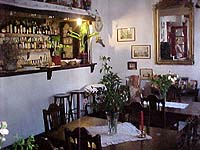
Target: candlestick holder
x=142, y=134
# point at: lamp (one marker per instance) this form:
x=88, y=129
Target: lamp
x=79, y=21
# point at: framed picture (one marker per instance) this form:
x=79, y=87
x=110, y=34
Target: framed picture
x=141, y=51
x=126, y=34
x=132, y=65
x=146, y=73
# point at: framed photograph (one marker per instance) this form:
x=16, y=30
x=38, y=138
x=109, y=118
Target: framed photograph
x=132, y=65
x=126, y=34
x=146, y=73
x=141, y=51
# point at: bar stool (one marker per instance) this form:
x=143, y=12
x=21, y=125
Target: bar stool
x=66, y=105
x=76, y=96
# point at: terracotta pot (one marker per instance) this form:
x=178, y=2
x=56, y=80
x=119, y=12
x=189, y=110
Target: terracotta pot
x=56, y=60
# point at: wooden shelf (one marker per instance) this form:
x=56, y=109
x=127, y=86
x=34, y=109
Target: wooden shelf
x=24, y=35
x=42, y=6
x=32, y=50
x=49, y=70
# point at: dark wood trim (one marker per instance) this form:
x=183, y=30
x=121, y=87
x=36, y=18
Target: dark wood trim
x=48, y=70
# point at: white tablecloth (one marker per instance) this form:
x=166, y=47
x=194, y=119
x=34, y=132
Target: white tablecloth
x=176, y=105
x=125, y=132
x=172, y=105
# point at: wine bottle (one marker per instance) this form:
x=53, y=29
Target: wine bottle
x=14, y=27
x=11, y=27
x=20, y=27
x=23, y=27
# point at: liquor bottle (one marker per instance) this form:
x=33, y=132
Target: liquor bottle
x=11, y=27
x=23, y=27
x=8, y=28
x=30, y=28
x=20, y=27
x=14, y=26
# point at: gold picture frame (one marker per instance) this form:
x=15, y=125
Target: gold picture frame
x=141, y=51
x=126, y=34
x=146, y=73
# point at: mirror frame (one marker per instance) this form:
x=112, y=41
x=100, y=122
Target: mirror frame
x=170, y=8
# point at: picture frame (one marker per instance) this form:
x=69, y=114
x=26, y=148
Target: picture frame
x=146, y=73
x=126, y=34
x=132, y=65
x=141, y=51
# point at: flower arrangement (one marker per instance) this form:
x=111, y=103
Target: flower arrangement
x=163, y=82
x=113, y=96
x=3, y=131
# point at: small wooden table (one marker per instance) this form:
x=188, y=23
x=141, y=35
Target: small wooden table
x=162, y=139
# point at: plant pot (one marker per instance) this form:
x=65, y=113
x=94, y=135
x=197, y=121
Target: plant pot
x=11, y=66
x=56, y=60
x=112, y=118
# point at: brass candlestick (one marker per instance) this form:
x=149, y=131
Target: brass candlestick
x=142, y=134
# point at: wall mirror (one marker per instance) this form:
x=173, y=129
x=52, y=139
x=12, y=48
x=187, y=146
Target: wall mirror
x=173, y=22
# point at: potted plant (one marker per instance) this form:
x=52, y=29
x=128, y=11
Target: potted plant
x=10, y=55
x=163, y=82
x=83, y=36
x=113, y=97
x=57, y=49
x=28, y=144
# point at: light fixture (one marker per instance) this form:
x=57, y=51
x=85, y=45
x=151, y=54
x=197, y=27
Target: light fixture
x=66, y=19
x=79, y=21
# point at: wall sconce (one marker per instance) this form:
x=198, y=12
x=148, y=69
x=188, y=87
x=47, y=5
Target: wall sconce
x=79, y=21
x=197, y=4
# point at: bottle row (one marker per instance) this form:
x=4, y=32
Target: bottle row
x=28, y=27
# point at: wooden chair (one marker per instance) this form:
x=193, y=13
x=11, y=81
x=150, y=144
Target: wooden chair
x=45, y=144
x=187, y=136
x=173, y=94
x=132, y=113
x=155, y=109
x=80, y=139
x=52, y=117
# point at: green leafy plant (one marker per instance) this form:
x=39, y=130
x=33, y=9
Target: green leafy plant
x=114, y=96
x=83, y=36
x=10, y=52
x=22, y=144
x=163, y=82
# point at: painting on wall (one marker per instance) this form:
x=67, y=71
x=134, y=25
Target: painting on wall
x=146, y=73
x=141, y=51
x=132, y=65
x=126, y=34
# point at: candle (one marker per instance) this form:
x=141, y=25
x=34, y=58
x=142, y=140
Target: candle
x=142, y=120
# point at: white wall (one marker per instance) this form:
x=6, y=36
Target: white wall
x=139, y=14
x=22, y=98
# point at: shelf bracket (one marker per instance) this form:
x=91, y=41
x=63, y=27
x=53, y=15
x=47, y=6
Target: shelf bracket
x=49, y=74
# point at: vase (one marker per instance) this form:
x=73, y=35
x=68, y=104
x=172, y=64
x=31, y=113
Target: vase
x=112, y=118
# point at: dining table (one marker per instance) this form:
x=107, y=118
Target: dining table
x=191, y=109
x=158, y=138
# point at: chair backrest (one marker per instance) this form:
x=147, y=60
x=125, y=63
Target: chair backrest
x=44, y=144
x=156, y=108
x=155, y=104
x=80, y=139
x=173, y=94
x=52, y=117
x=132, y=113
